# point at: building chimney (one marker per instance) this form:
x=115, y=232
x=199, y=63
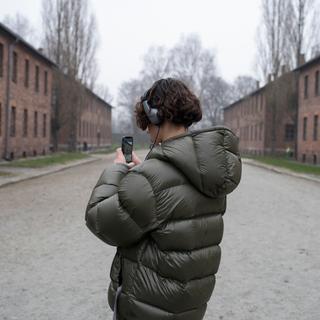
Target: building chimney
x=284, y=69
x=315, y=51
x=269, y=77
x=40, y=50
x=302, y=59
x=258, y=84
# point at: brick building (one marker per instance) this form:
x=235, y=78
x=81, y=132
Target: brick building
x=92, y=129
x=25, y=97
x=246, y=119
x=309, y=112
x=265, y=119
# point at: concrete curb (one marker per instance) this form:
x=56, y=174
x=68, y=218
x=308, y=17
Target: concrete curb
x=36, y=174
x=281, y=170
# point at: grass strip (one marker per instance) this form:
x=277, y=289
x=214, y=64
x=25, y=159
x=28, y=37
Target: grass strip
x=288, y=164
x=44, y=161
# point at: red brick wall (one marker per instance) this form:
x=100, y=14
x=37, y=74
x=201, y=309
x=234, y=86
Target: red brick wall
x=26, y=98
x=281, y=108
x=3, y=85
x=95, y=118
x=252, y=117
x=246, y=119
x=309, y=107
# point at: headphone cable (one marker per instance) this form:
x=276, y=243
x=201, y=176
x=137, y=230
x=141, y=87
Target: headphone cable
x=154, y=142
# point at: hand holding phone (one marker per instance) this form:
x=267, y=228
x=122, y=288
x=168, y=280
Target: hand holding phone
x=127, y=147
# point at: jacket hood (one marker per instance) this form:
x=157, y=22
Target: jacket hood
x=209, y=158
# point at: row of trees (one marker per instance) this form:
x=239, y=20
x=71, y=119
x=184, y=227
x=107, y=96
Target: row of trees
x=288, y=29
x=190, y=62
x=288, y=34
x=69, y=38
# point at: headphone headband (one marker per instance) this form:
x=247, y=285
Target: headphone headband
x=151, y=112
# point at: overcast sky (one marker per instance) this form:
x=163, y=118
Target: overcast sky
x=127, y=28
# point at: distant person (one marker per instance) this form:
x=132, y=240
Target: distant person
x=164, y=214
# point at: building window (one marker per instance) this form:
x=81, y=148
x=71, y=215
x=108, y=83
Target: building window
x=44, y=127
x=46, y=82
x=315, y=159
x=1, y=60
x=0, y=119
x=25, y=123
x=35, y=124
x=304, y=158
x=316, y=84
x=315, y=128
x=289, y=132
x=13, y=122
x=37, y=79
x=306, y=82
x=26, y=73
x=260, y=131
x=305, y=120
x=15, y=67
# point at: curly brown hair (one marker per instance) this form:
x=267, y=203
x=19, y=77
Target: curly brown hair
x=175, y=102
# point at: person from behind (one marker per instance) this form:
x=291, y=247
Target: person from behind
x=165, y=214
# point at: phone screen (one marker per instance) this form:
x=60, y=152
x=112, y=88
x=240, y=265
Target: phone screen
x=127, y=146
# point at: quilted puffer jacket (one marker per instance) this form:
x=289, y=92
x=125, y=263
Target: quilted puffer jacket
x=165, y=217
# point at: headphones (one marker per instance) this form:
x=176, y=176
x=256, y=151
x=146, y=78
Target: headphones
x=151, y=112
x=154, y=117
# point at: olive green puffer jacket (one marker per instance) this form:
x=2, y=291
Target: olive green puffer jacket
x=165, y=217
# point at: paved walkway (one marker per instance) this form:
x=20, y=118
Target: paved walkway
x=54, y=268
x=310, y=177
x=15, y=175
x=20, y=174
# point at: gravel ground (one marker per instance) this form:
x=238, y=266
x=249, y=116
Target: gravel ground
x=53, y=268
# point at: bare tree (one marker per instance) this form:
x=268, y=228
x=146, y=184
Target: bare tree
x=216, y=95
x=192, y=63
x=273, y=43
x=70, y=40
x=189, y=62
x=129, y=93
x=103, y=92
x=288, y=28
x=303, y=27
x=22, y=26
x=155, y=65
x=196, y=66
x=243, y=85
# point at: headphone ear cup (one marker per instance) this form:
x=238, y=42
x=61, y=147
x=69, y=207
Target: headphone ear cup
x=152, y=113
x=154, y=116
x=160, y=116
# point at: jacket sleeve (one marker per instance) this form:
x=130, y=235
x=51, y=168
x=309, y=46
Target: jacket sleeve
x=122, y=208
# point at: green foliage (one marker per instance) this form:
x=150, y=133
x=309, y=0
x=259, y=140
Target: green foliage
x=5, y=174
x=39, y=162
x=288, y=164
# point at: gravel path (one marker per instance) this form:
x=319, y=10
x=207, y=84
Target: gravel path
x=53, y=268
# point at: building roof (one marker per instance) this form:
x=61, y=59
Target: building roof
x=36, y=52
x=100, y=99
x=316, y=59
x=245, y=97
x=308, y=63
x=4, y=29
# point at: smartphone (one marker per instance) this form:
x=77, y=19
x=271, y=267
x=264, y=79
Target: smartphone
x=127, y=147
